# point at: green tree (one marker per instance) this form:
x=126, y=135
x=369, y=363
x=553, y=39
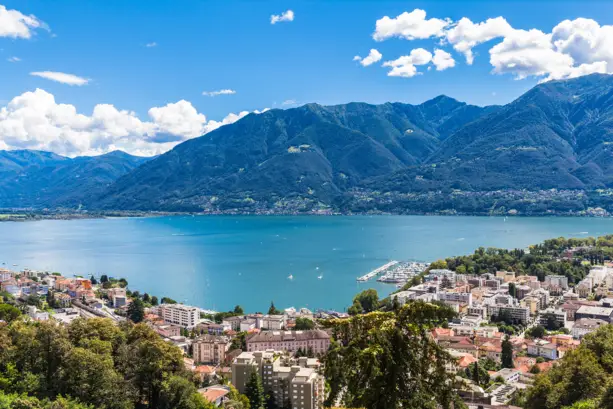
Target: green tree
x=9, y=312
x=136, y=310
x=272, y=310
x=512, y=290
x=93, y=280
x=507, y=353
x=146, y=298
x=179, y=393
x=386, y=360
x=104, y=278
x=154, y=301
x=438, y=265
x=238, y=310
x=368, y=300
x=303, y=324
x=254, y=390
x=536, y=332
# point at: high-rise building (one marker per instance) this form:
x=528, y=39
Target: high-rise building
x=179, y=314
x=294, y=383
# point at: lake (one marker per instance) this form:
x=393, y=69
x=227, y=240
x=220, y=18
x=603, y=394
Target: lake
x=217, y=262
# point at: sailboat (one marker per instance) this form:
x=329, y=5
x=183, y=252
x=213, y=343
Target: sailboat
x=320, y=276
x=290, y=277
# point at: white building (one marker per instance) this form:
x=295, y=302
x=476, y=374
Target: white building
x=542, y=348
x=465, y=298
x=559, y=281
x=559, y=315
x=585, y=326
x=517, y=313
x=179, y=314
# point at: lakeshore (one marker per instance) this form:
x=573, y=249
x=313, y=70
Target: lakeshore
x=211, y=261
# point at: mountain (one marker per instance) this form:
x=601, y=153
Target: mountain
x=43, y=179
x=311, y=152
x=557, y=135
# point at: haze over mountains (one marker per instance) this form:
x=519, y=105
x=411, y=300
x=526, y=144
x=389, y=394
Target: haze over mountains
x=557, y=135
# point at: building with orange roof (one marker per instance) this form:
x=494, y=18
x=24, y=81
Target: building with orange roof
x=215, y=394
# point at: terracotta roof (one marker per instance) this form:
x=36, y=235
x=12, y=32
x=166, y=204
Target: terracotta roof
x=204, y=369
x=213, y=394
x=466, y=360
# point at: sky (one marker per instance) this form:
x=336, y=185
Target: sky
x=88, y=77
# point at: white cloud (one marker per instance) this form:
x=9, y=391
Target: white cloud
x=442, y=60
x=465, y=34
x=152, y=44
x=34, y=120
x=289, y=102
x=573, y=47
x=405, y=66
x=285, y=16
x=410, y=26
x=220, y=92
x=372, y=57
x=64, y=78
x=17, y=25
x=13, y=59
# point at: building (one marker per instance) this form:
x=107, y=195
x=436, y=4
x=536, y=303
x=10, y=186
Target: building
x=118, y=297
x=601, y=313
x=508, y=374
x=179, y=314
x=532, y=303
x=585, y=326
x=293, y=383
x=559, y=316
x=211, y=349
x=466, y=298
x=555, y=280
x=168, y=330
x=542, y=348
x=522, y=291
x=515, y=313
x=272, y=322
x=62, y=300
x=216, y=394
x=290, y=341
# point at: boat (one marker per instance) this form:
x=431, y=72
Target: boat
x=290, y=277
x=320, y=277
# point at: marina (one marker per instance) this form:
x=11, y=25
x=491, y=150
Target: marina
x=400, y=273
x=377, y=271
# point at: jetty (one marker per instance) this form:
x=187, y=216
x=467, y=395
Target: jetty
x=377, y=271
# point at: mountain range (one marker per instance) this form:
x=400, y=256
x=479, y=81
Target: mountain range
x=558, y=135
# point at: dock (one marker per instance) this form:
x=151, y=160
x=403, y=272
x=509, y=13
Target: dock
x=377, y=271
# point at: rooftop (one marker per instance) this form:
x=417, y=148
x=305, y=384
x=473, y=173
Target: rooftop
x=268, y=336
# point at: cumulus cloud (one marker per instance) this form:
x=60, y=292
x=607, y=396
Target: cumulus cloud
x=406, y=66
x=411, y=26
x=285, y=16
x=220, y=92
x=34, y=120
x=13, y=59
x=69, y=79
x=442, y=60
x=573, y=47
x=465, y=35
x=14, y=24
x=372, y=57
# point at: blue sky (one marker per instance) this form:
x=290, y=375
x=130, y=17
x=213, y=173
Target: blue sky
x=208, y=46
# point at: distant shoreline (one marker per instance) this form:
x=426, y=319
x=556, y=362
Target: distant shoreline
x=30, y=216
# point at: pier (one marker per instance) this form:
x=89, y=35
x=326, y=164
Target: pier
x=378, y=271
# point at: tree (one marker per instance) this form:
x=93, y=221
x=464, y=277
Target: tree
x=273, y=310
x=304, y=324
x=478, y=374
x=238, y=310
x=355, y=309
x=146, y=298
x=154, y=301
x=136, y=294
x=166, y=300
x=33, y=300
x=536, y=332
x=507, y=353
x=512, y=290
x=254, y=390
x=551, y=323
x=239, y=341
x=93, y=280
x=438, y=265
x=386, y=360
x=9, y=312
x=104, y=278
x=136, y=310
x=367, y=301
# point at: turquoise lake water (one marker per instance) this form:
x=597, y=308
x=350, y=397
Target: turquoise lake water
x=219, y=261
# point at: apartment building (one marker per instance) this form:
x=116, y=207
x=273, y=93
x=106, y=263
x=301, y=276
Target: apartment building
x=179, y=314
x=518, y=313
x=118, y=297
x=316, y=340
x=466, y=298
x=293, y=383
x=211, y=349
x=556, y=280
x=585, y=326
x=559, y=315
x=601, y=313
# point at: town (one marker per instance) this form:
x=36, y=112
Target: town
x=506, y=328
